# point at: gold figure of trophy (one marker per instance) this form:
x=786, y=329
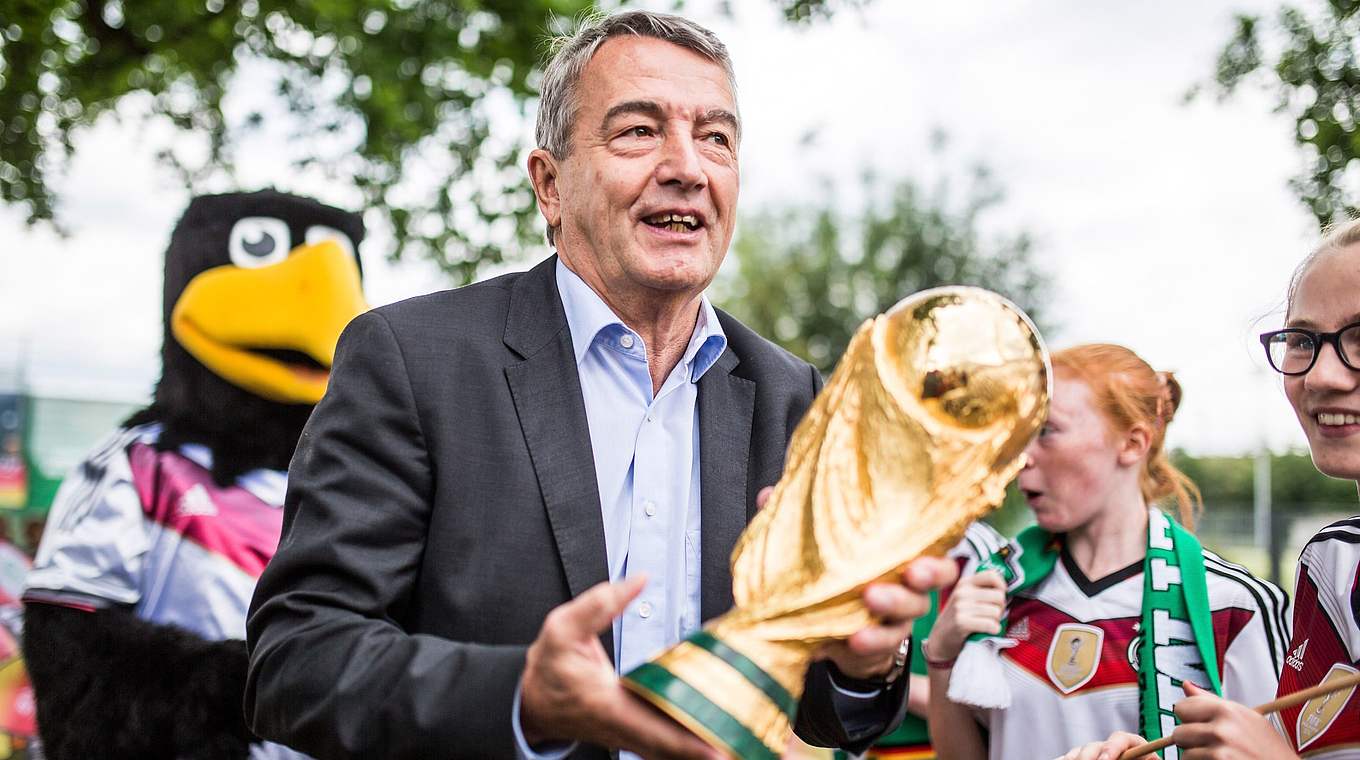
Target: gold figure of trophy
x=915, y=436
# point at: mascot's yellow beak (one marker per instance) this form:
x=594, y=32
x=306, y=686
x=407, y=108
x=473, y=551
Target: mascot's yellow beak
x=248, y=325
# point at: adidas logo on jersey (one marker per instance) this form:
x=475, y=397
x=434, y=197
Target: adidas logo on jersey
x=1295, y=658
x=196, y=503
x=1019, y=631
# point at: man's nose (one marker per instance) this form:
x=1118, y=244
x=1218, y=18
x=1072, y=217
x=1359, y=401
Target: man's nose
x=1329, y=373
x=680, y=163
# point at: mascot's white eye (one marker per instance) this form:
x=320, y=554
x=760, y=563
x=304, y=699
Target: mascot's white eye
x=320, y=232
x=258, y=241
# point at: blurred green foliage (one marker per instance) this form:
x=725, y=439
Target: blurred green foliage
x=1308, y=61
x=807, y=276
x=1293, y=480
x=375, y=90
x=1227, y=485
x=804, y=11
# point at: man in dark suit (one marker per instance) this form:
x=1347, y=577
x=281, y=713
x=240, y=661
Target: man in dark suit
x=513, y=490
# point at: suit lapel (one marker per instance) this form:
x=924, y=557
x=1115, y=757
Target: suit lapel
x=546, y=389
x=726, y=406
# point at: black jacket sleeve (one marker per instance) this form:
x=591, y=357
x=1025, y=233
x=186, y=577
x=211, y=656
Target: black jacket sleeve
x=111, y=685
x=332, y=672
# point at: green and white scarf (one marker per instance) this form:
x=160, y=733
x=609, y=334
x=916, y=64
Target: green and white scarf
x=1176, y=634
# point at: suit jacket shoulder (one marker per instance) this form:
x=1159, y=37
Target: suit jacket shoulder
x=761, y=357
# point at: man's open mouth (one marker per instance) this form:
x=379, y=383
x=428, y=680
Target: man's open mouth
x=674, y=222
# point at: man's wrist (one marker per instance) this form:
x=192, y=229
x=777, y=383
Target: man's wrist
x=537, y=747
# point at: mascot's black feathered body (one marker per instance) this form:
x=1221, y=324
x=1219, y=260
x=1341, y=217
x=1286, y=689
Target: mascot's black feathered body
x=135, y=608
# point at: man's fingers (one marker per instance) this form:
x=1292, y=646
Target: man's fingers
x=891, y=602
x=877, y=640
x=929, y=573
x=595, y=610
x=653, y=735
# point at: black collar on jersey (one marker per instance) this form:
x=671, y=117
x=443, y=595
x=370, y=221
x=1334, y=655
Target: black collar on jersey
x=1092, y=587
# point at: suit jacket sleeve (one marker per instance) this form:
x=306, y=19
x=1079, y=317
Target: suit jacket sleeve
x=827, y=718
x=332, y=672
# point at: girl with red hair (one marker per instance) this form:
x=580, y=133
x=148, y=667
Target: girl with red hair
x=1090, y=621
x=1318, y=354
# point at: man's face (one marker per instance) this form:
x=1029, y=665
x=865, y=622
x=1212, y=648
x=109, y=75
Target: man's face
x=646, y=198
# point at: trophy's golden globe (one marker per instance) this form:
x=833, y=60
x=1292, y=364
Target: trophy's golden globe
x=915, y=436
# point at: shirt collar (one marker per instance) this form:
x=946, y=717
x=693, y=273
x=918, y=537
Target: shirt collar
x=588, y=314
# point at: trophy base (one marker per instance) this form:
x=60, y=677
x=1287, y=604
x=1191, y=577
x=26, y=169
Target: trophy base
x=720, y=695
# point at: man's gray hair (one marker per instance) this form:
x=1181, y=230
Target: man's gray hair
x=569, y=54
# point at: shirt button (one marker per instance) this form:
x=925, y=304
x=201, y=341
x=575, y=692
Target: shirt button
x=626, y=341
x=649, y=507
x=645, y=610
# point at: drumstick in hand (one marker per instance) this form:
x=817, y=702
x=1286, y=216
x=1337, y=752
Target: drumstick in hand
x=1283, y=703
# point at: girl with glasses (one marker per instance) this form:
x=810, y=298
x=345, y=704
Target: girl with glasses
x=1107, y=598
x=1318, y=352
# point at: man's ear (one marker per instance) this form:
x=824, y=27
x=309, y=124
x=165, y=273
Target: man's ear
x=543, y=173
x=1135, y=445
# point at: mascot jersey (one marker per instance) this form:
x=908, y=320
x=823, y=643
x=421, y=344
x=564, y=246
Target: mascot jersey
x=1071, y=676
x=1326, y=645
x=147, y=529
x=135, y=619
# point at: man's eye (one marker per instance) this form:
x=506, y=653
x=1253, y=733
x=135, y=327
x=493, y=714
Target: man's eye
x=720, y=139
x=639, y=132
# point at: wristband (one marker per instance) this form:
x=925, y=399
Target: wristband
x=932, y=663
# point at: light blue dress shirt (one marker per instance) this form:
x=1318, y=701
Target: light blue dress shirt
x=646, y=449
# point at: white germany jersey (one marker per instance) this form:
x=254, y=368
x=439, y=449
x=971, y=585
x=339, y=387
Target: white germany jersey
x=1071, y=674
x=1325, y=645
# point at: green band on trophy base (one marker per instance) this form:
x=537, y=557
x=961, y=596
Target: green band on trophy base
x=743, y=665
x=670, y=691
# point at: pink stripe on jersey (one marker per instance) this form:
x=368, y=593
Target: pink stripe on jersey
x=231, y=522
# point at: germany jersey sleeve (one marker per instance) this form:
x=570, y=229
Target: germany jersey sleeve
x=95, y=542
x=1251, y=625
x=1325, y=645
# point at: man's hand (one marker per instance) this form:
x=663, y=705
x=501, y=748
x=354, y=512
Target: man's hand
x=569, y=691
x=869, y=653
x=1213, y=728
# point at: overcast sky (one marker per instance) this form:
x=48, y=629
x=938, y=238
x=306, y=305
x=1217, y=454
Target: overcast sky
x=1167, y=227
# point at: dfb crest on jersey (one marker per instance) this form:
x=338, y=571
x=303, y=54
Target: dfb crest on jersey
x=1074, y=655
x=1320, y=712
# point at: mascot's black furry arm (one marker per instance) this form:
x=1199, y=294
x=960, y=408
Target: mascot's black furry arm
x=113, y=685
x=136, y=603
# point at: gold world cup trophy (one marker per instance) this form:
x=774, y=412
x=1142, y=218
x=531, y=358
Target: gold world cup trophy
x=915, y=436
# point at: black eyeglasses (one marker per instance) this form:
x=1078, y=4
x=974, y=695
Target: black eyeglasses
x=1294, y=350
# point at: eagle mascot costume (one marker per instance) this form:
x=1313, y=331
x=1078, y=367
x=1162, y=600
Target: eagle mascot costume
x=136, y=603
